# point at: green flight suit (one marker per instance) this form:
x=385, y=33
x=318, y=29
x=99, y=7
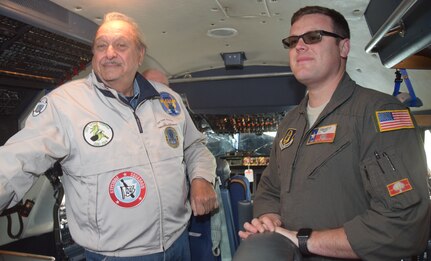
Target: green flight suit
x=368, y=179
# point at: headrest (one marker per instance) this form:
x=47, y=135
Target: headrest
x=223, y=170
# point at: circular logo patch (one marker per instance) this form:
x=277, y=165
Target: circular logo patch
x=171, y=137
x=40, y=106
x=127, y=189
x=169, y=104
x=97, y=133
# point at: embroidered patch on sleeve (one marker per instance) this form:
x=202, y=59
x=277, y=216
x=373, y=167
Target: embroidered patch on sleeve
x=399, y=186
x=40, y=106
x=169, y=104
x=394, y=120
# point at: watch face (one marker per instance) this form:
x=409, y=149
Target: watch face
x=304, y=232
x=303, y=236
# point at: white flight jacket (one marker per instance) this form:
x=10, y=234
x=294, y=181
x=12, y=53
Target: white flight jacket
x=125, y=171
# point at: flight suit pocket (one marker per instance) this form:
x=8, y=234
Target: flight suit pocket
x=329, y=156
x=386, y=179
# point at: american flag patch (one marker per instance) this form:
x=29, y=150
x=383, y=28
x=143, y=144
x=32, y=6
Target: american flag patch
x=394, y=120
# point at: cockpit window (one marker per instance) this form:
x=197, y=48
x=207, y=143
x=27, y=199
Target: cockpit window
x=240, y=144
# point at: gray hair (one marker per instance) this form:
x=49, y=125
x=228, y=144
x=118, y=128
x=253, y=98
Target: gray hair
x=116, y=16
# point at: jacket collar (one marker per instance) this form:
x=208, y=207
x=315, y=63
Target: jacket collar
x=342, y=93
x=146, y=89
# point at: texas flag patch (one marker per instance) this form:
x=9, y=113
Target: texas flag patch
x=398, y=187
x=324, y=134
x=394, y=120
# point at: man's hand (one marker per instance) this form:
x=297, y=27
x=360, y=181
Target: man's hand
x=266, y=222
x=203, y=197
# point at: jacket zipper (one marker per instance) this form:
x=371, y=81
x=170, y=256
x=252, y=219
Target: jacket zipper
x=138, y=122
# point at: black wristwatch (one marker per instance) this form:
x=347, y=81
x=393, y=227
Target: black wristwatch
x=303, y=236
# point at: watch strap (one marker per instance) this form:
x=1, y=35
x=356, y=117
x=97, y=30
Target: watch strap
x=303, y=236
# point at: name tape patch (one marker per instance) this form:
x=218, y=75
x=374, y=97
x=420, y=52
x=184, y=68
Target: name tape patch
x=324, y=134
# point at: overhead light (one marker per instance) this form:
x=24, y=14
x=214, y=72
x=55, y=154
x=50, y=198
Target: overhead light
x=222, y=32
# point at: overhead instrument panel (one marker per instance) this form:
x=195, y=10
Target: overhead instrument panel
x=42, y=45
x=30, y=53
x=245, y=123
x=251, y=100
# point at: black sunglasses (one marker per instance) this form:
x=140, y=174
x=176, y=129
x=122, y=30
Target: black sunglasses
x=311, y=37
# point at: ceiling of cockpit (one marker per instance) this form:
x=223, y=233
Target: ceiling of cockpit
x=189, y=35
x=176, y=32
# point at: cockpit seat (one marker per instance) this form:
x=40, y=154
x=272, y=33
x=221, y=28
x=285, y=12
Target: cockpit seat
x=223, y=171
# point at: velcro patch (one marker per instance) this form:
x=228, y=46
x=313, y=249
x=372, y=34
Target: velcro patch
x=394, y=120
x=399, y=186
x=324, y=134
x=287, y=140
x=169, y=104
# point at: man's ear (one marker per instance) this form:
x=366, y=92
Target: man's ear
x=141, y=56
x=344, y=48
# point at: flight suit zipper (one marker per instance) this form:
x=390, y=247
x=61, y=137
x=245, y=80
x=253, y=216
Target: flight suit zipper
x=302, y=140
x=306, y=133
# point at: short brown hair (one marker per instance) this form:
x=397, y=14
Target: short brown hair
x=341, y=27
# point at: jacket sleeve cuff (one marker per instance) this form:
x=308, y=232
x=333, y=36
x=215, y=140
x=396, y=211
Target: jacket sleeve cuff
x=210, y=179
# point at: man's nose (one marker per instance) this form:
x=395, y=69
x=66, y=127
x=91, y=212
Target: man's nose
x=300, y=45
x=110, y=52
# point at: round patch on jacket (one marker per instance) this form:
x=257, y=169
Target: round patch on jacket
x=127, y=189
x=169, y=104
x=98, y=134
x=171, y=137
x=40, y=106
